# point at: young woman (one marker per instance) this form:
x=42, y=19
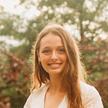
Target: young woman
x=57, y=76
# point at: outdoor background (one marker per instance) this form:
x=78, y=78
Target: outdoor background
x=22, y=20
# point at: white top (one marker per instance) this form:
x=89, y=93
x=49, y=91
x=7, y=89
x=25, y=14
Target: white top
x=90, y=98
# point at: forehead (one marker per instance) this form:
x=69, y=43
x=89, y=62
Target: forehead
x=51, y=40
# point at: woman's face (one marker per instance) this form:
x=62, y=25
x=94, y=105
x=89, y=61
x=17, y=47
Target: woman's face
x=52, y=54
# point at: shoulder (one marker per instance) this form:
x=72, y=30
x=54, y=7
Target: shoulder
x=37, y=92
x=35, y=96
x=90, y=96
x=87, y=88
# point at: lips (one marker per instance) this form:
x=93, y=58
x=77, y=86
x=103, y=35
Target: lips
x=55, y=65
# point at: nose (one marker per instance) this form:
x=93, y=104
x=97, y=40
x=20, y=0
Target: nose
x=54, y=55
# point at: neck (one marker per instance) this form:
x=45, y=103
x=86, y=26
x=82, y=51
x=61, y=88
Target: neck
x=55, y=84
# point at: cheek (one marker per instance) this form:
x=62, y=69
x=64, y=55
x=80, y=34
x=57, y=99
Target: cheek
x=44, y=62
x=43, y=59
x=64, y=57
x=65, y=60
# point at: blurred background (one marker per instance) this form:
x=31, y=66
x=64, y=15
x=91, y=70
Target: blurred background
x=22, y=20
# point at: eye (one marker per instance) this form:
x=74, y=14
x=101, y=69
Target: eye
x=46, y=51
x=61, y=50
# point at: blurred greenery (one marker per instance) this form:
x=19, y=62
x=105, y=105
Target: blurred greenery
x=87, y=16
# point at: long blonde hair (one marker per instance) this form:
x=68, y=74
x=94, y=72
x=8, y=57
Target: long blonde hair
x=72, y=76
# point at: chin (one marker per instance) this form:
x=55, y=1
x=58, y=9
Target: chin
x=55, y=72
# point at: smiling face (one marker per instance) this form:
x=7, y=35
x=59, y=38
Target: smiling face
x=52, y=54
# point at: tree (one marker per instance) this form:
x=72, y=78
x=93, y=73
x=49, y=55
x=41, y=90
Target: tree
x=14, y=79
x=84, y=14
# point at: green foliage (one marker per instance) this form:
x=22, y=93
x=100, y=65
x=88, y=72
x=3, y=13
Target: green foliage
x=76, y=12
x=95, y=57
x=15, y=74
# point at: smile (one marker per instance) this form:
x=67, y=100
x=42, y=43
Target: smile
x=55, y=65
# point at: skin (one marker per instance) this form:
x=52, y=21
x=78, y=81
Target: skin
x=53, y=58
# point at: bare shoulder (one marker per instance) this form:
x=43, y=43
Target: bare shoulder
x=90, y=96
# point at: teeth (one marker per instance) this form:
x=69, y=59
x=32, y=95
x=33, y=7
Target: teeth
x=55, y=65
